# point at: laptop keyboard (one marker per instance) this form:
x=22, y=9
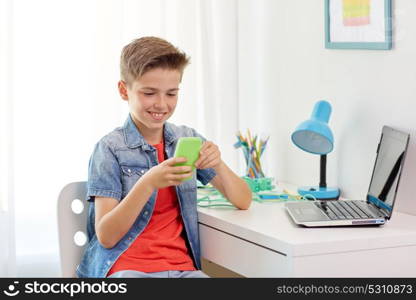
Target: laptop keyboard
x=341, y=210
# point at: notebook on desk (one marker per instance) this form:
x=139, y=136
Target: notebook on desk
x=378, y=205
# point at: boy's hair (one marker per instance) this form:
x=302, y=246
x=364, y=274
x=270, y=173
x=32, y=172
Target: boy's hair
x=147, y=53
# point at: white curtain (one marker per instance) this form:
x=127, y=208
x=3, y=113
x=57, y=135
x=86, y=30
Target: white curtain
x=7, y=245
x=59, y=73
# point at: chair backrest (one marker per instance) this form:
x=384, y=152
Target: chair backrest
x=72, y=226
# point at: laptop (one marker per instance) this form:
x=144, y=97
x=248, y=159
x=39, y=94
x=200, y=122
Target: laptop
x=377, y=208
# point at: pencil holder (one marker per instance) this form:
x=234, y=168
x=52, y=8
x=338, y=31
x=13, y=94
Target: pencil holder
x=252, y=149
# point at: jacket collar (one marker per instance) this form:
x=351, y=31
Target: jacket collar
x=133, y=138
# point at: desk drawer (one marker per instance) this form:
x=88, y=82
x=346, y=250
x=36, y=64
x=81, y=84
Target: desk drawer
x=242, y=256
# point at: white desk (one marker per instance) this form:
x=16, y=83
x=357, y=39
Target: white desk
x=264, y=242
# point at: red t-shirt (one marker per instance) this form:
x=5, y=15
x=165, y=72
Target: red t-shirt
x=161, y=246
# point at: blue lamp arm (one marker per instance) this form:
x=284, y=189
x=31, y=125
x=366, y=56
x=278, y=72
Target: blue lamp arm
x=322, y=181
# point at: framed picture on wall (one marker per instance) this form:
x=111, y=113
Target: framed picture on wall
x=358, y=24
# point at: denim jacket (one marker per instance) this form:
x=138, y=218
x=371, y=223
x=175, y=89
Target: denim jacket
x=119, y=159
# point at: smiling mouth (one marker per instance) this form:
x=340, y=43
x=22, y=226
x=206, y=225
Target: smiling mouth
x=157, y=115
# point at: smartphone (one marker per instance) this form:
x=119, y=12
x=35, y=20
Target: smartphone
x=188, y=147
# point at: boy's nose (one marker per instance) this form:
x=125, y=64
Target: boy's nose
x=160, y=101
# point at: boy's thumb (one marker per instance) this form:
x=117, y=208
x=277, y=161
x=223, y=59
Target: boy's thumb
x=176, y=160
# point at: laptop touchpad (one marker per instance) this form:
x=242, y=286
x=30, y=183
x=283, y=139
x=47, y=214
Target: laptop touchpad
x=304, y=212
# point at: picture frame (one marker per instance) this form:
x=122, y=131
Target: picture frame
x=358, y=24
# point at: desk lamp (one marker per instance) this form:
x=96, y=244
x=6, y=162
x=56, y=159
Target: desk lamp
x=314, y=136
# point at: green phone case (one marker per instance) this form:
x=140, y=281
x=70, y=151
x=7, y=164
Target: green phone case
x=188, y=147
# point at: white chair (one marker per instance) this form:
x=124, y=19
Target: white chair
x=72, y=226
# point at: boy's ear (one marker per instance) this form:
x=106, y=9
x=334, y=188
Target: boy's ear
x=122, y=89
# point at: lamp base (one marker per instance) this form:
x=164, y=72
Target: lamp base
x=320, y=193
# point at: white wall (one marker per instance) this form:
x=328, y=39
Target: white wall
x=285, y=69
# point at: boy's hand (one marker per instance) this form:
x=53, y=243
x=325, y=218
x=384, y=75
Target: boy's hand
x=209, y=156
x=167, y=174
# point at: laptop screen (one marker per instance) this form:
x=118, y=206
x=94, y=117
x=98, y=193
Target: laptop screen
x=387, y=169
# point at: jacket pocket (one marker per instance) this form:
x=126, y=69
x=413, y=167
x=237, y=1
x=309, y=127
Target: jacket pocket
x=132, y=171
x=130, y=175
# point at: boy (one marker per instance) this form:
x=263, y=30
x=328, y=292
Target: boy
x=143, y=221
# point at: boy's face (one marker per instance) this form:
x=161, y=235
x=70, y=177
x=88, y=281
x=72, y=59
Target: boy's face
x=152, y=98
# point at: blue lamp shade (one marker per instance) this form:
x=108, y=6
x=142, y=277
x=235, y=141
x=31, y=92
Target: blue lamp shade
x=314, y=135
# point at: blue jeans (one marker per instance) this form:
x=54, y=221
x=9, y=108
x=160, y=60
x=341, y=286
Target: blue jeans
x=164, y=274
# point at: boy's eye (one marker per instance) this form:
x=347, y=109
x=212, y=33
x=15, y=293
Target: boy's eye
x=149, y=94
x=172, y=95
